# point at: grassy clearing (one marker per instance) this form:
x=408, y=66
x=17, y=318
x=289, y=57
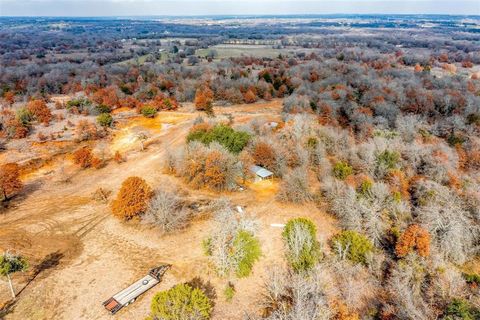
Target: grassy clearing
x=239, y=50
x=233, y=51
x=142, y=59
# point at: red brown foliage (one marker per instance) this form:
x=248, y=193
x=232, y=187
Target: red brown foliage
x=86, y=130
x=399, y=183
x=204, y=99
x=9, y=97
x=106, y=96
x=343, y=312
x=467, y=64
x=97, y=163
x=83, y=157
x=474, y=159
x=132, y=199
x=39, y=109
x=414, y=238
x=129, y=102
x=161, y=102
x=118, y=158
x=264, y=155
x=250, y=96
x=10, y=182
x=214, y=174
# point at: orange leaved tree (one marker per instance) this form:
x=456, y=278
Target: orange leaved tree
x=250, y=96
x=414, y=238
x=204, y=99
x=132, y=199
x=264, y=155
x=10, y=182
x=215, y=174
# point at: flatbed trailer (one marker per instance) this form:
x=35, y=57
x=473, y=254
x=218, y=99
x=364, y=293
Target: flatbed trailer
x=128, y=295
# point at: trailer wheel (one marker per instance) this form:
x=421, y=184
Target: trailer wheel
x=132, y=301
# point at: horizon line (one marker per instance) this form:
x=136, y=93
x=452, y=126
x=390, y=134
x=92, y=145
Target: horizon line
x=243, y=15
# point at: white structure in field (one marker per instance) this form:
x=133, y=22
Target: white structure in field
x=261, y=173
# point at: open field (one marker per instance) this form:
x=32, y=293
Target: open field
x=239, y=50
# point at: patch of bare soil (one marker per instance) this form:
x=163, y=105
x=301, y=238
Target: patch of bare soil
x=80, y=255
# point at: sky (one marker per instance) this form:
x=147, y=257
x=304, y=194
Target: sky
x=231, y=7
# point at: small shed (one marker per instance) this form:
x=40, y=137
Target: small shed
x=261, y=173
x=271, y=125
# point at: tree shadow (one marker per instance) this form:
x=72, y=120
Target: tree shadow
x=206, y=287
x=28, y=189
x=7, y=308
x=15, y=200
x=50, y=261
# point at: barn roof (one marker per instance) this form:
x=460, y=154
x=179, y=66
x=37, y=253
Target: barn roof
x=261, y=172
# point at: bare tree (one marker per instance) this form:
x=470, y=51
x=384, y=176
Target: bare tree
x=166, y=210
x=291, y=296
x=295, y=187
x=443, y=214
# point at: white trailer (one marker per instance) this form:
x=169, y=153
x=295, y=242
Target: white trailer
x=128, y=295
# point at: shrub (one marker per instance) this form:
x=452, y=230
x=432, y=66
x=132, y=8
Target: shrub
x=83, y=157
x=352, y=245
x=388, y=159
x=79, y=104
x=414, y=238
x=148, y=112
x=229, y=291
x=132, y=199
x=39, y=110
x=303, y=249
x=250, y=96
x=181, y=302
x=472, y=278
x=105, y=120
x=341, y=170
x=462, y=310
x=101, y=108
x=13, y=126
x=86, y=130
x=117, y=157
x=365, y=187
x=97, y=163
x=24, y=116
x=233, y=140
